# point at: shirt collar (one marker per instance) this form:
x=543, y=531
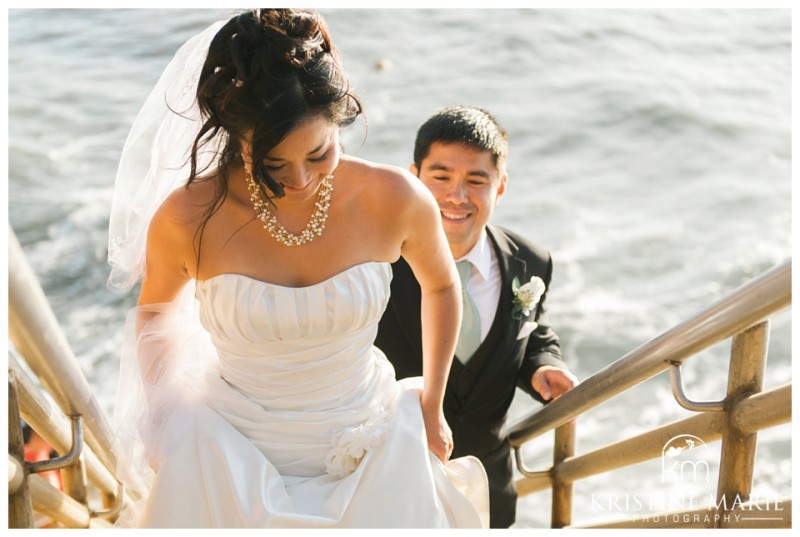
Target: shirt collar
x=480, y=255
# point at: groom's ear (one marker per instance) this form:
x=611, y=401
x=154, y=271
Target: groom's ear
x=501, y=188
x=413, y=169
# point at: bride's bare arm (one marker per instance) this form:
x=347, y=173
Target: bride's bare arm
x=168, y=245
x=427, y=252
x=169, y=251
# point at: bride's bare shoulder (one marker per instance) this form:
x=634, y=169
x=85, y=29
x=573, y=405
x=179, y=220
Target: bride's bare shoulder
x=187, y=205
x=384, y=182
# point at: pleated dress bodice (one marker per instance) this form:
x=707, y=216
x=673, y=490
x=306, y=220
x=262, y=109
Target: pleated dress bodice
x=303, y=361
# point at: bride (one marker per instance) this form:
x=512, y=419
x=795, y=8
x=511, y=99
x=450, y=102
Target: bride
x=251, y=394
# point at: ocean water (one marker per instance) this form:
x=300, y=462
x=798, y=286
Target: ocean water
x=650, y=153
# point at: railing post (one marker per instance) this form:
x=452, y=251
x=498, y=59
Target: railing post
x=745, y=377
x=20, y=509
x=74, y=481
x=563, y=448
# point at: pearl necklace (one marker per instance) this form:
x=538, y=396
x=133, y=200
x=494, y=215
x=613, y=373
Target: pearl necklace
x=315, y=226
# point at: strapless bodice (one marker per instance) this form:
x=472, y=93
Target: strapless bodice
x=279, y=341
x=302, y=355
x=240, y=311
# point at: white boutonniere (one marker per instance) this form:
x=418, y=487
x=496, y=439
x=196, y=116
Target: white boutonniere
x=526, y=297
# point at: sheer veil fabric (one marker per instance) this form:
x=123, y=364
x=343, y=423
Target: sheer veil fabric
x=248, y=404
x=155, y=158
x=154, y=162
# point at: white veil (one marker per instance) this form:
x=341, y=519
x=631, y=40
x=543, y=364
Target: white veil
x=165, y=348
x=155, y=158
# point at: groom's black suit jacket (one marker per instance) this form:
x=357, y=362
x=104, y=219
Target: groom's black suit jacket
x=479, y=393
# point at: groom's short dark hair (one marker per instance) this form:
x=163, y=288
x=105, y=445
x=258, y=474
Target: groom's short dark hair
x=468, y=125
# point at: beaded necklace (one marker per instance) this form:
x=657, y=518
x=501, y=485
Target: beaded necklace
x=315, y=226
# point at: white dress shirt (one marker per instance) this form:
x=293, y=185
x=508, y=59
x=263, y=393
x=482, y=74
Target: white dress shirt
x=485, y=282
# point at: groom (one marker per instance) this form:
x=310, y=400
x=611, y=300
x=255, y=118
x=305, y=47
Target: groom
x=506, y=341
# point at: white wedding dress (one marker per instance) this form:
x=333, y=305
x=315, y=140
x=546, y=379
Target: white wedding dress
x=290, y=417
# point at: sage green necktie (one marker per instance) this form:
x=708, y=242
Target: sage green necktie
x=469, y=339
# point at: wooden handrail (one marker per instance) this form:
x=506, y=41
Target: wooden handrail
x=53, y=503
x=762, y=410
x=53, y=427
x=36, y=334
x=757, y=412
x=742, y=316
x=745, y=307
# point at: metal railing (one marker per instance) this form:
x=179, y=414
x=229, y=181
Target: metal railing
x=743, y=316
x=87, y=468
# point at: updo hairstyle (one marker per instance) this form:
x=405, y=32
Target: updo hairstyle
x=266, y=71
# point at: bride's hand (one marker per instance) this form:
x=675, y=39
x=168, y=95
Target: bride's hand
x=440, y=438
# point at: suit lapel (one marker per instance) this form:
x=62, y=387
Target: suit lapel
x=511, y=266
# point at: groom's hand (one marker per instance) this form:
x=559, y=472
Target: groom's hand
x=550, y=381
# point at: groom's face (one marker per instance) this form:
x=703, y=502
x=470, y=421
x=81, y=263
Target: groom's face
x=467, y=185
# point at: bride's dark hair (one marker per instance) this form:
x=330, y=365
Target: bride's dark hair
x=266, y=71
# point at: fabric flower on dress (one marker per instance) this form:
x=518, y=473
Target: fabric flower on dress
x=351, y=444
x=526, y=297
